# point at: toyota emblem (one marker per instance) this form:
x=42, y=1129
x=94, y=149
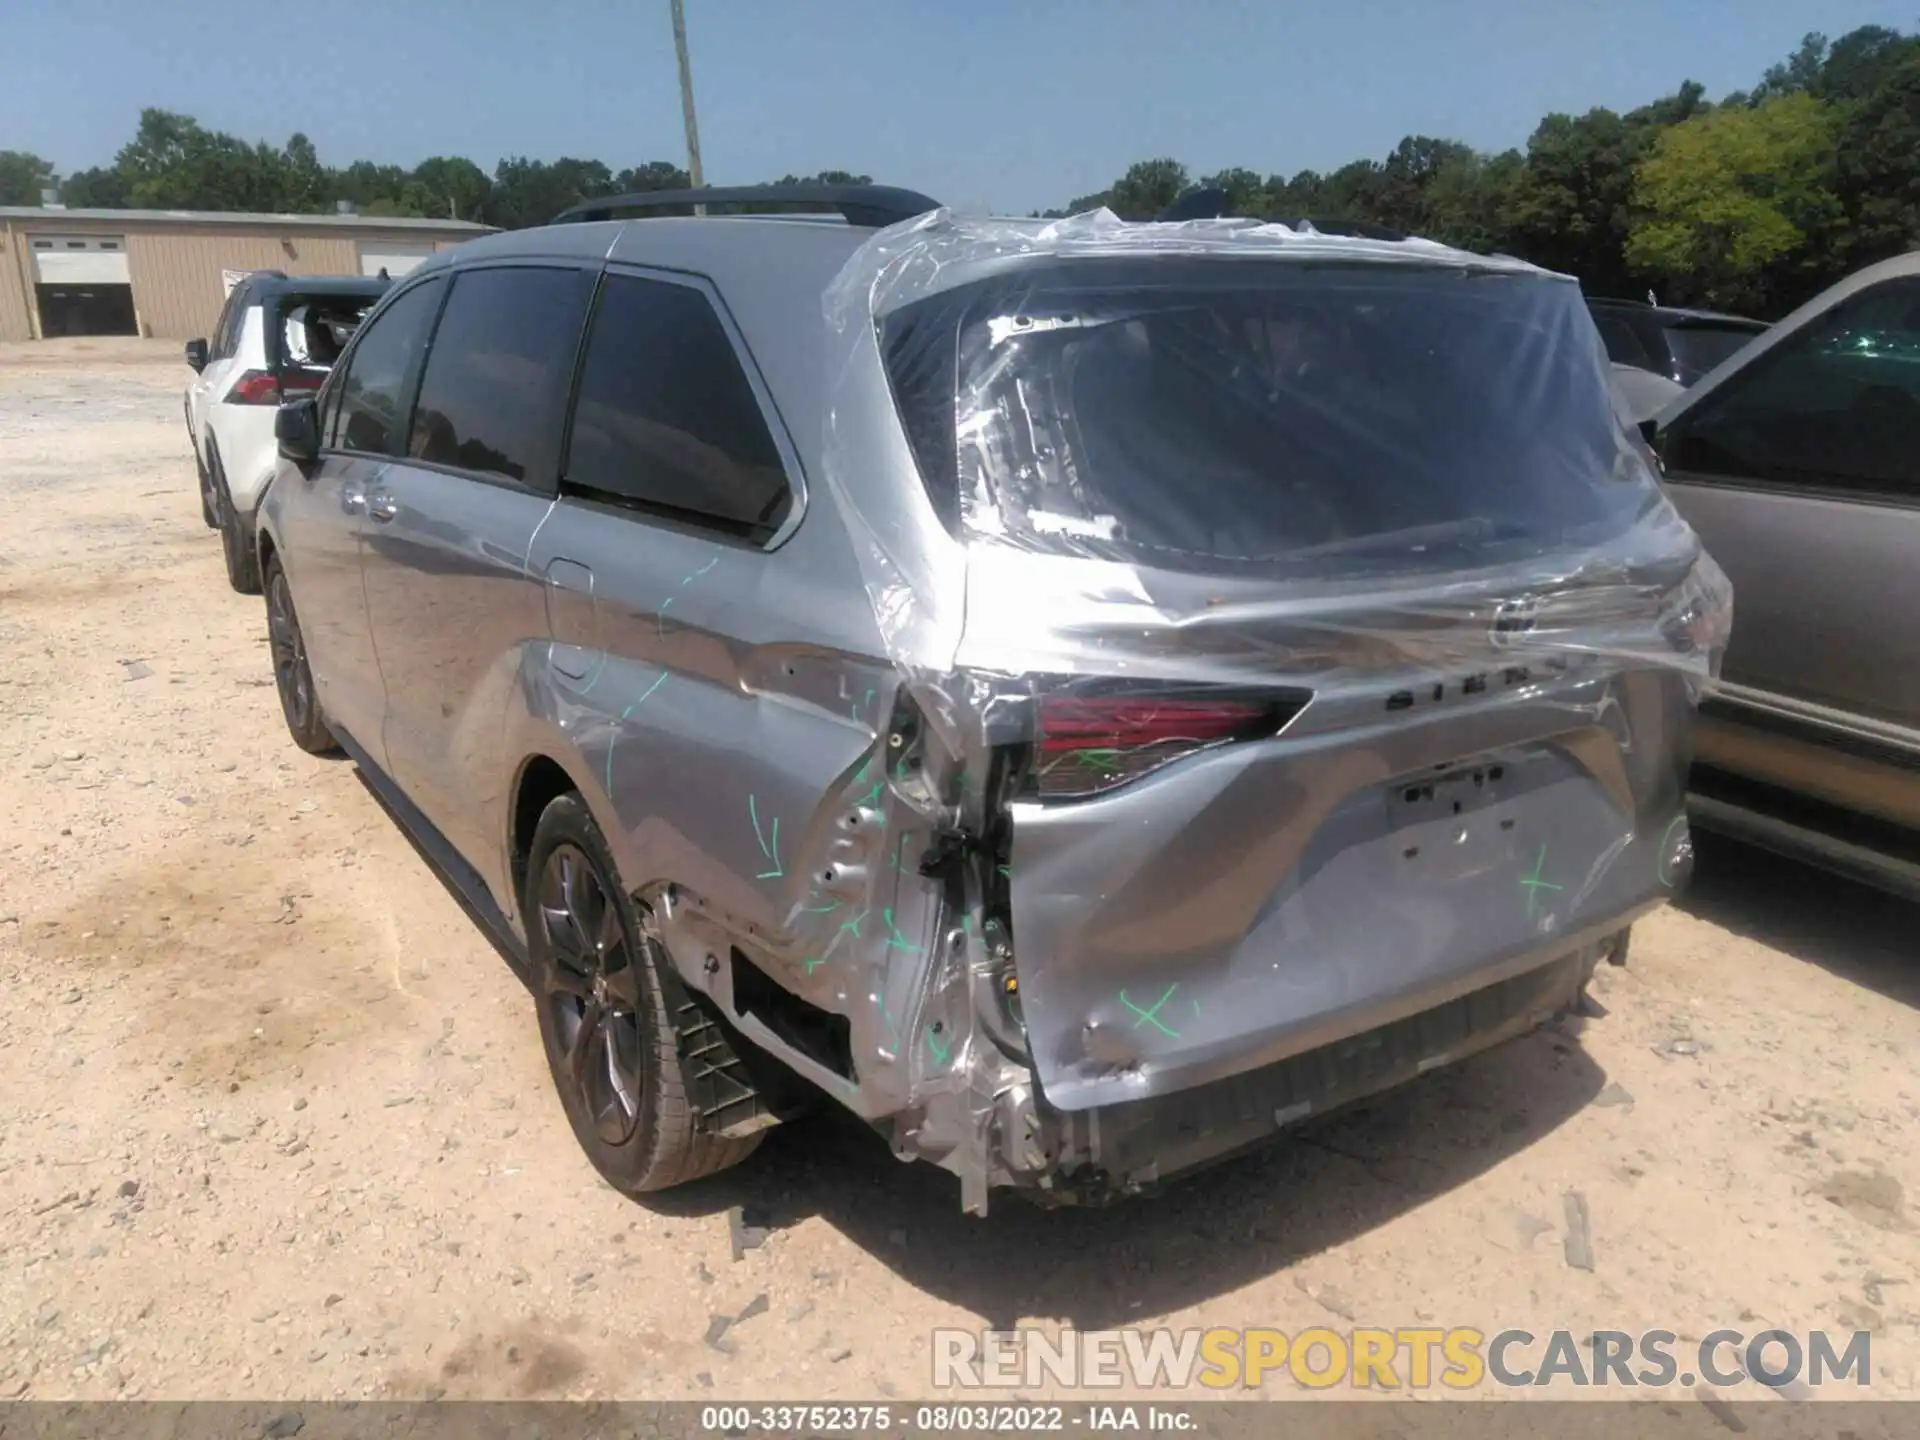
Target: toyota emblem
x=1513, y=618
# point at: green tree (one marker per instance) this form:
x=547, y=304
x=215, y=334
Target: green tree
x=1879, y=167
x=1570, y=208
x=1729, y=196
x=22, y=177
x=452, y=187
x=102, y=189
x=1148, y=187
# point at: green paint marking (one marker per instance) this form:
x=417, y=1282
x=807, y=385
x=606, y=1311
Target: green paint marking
x=813, y=963
x=872, y=797
x=770, y=849
x=826, y=909
x=1533, y=884
x=895, y=940
x=660, y=623
x=941, y=1049
x=1151, y=1015
x=853, y=924
x=1006, y=870
x=861, y=773
x=623, y=720
x=1663, y=868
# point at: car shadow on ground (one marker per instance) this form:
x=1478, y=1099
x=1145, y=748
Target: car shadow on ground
x=1861, y=935
x=1213, y=1233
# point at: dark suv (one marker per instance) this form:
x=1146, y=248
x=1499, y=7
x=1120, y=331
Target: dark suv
x=1082, y=695
x=1680, y=344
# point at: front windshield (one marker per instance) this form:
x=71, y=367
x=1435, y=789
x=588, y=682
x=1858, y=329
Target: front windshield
x=1216, y=415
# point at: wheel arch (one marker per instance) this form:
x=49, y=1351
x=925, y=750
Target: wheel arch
x=539, y=781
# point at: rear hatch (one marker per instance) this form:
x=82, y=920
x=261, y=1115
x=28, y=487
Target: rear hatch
x=1349, y=644
x=306, y=331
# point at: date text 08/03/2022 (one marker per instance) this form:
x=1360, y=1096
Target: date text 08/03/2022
x=736, y=1420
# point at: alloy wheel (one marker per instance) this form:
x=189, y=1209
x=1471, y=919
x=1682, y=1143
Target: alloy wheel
x=592, y=988
x=290, y=671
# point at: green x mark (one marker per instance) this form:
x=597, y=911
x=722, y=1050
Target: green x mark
x=940, y=1048
x=1533, y=884
x=853, y=924
x=895, y=940
x=1151, y=1015
x=813, y=964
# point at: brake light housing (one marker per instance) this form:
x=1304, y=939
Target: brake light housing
x=268, y=387
x=1088, y=741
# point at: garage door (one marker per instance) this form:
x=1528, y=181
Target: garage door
x=80, y=260
x=81, y=285
x=394, y=258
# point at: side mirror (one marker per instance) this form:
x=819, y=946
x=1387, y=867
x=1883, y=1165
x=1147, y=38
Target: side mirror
x=296, y=426
x=197, y=355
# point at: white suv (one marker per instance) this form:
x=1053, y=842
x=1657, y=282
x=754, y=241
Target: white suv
x=276, y=337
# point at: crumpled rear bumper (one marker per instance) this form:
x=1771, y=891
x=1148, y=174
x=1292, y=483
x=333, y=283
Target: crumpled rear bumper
x=1098, y=1155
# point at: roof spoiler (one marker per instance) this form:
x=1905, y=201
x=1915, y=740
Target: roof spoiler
x=869, y=206
x=1214, y=204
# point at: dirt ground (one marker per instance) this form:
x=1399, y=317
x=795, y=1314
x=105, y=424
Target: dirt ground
x=276, y=1122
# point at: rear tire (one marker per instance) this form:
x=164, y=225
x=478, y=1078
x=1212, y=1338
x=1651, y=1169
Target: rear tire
x=236, y=546
x=292, y=675
x=609, y=1000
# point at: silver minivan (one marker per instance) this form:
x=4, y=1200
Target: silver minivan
x=1082, y=695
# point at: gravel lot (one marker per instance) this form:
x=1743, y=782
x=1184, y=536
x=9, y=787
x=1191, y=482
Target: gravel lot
x=276, y=1122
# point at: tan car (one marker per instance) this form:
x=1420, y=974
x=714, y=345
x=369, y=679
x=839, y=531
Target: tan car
x=1797, y=461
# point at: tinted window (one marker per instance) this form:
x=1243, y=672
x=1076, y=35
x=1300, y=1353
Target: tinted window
x=1698, y=348
x=667, y=417
x=1622, y=343
x=1268, y=416
x=1837, y=404
x=373, y=400
x=221, y=346
x=496, y=377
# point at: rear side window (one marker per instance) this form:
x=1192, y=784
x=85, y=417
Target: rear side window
x=496, y=377
x=1209, y=415
x=1698, y=348
x=666, y=417
x=1623, y=345
x=226, y=331
x=373, y=398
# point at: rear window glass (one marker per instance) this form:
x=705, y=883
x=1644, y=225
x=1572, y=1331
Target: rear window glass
x=1698, y=348
x=1226, y=414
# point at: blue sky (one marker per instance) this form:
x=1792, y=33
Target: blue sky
x=980, y=102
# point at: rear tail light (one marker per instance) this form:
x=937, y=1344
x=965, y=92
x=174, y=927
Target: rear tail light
x=1092, y=743
x=264, y=387
x=256, y=387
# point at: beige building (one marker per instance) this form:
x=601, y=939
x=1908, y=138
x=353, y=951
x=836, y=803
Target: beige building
x=166, y=273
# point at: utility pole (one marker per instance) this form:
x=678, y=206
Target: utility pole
x=686, y=95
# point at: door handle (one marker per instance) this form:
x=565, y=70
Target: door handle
x=352, y=499
x=382, y=506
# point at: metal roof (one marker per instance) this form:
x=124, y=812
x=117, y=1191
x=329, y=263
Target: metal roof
x=243, y=217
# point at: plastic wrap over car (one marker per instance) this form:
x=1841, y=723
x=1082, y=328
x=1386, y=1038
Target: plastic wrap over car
x=1294, y=638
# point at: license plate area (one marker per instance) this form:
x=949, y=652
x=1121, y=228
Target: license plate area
x=1457, y=822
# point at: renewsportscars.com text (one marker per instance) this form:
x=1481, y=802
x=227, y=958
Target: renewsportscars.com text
x=1416, y=1358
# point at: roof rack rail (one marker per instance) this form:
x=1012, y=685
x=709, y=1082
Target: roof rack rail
x=868, y=206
